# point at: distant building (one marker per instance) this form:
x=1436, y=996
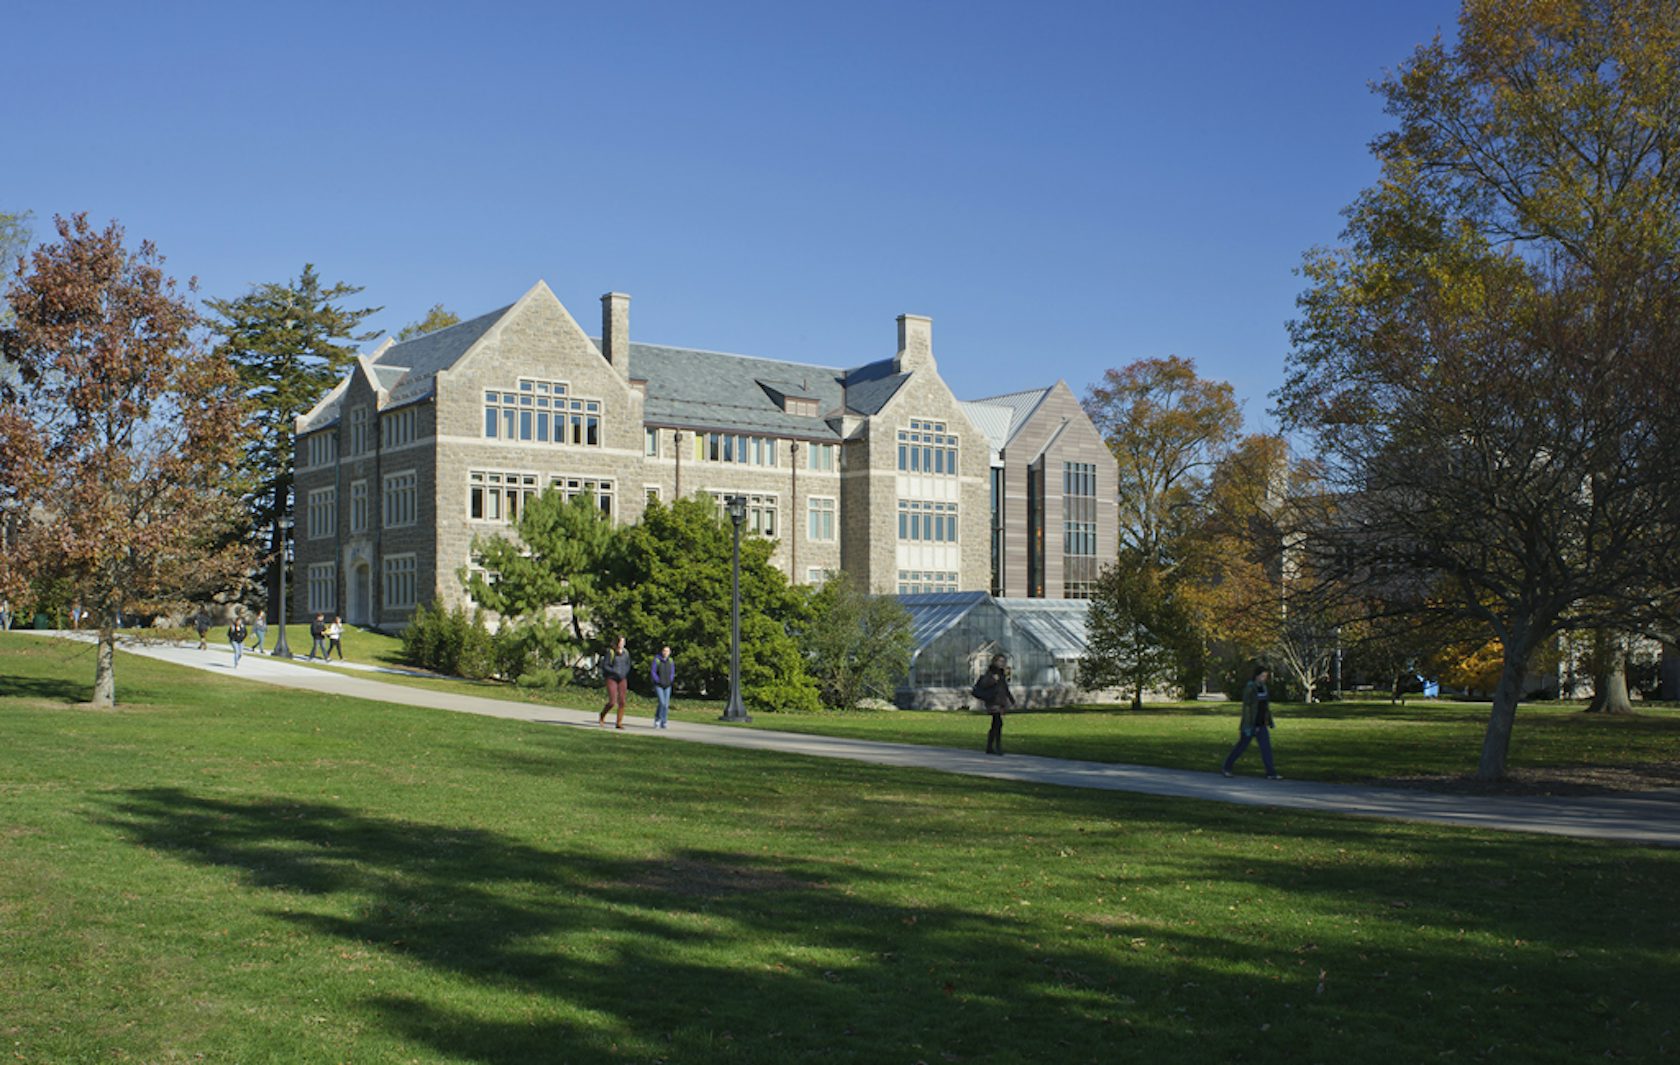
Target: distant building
x=878, y=470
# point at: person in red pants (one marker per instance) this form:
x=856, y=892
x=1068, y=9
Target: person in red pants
x=616, y=668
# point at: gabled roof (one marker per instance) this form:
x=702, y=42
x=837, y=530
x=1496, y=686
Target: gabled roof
x=1058, y=624
x=420, y=359
x=991, y=420
x=1021, y=406
x=933, y=613
x=713, y=390
x=869, y=387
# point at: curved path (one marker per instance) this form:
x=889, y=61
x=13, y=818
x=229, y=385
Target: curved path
x=1646, y=818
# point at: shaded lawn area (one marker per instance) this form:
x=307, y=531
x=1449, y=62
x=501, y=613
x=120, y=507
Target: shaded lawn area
x=227, y=870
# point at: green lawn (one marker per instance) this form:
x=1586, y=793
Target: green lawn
x=228, y=872
x=1346, y=741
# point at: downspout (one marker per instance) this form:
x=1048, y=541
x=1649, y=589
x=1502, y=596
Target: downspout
x=793, y=515
x=676, y=435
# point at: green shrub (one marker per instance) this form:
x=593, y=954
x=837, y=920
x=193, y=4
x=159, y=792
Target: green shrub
x=539, y=678
x=449, y=642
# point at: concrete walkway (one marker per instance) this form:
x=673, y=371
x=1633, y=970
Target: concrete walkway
x=1647, y=817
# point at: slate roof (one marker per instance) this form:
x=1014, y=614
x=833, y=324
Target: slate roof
x=422, y=357
x=870, y=386
x=712, y=390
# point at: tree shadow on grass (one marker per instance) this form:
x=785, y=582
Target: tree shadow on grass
x=699, y=954
x=690, y=955
x=44, y=688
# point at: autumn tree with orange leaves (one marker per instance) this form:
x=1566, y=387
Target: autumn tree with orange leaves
x=120, y=437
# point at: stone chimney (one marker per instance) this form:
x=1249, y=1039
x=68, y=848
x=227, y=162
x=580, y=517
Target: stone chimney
x=615, y=331
x=915, y=343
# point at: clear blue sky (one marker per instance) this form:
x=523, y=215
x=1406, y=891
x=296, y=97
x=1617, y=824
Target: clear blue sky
x=1063, y=187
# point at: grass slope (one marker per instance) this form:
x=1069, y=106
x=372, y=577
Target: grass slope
x=227, y=872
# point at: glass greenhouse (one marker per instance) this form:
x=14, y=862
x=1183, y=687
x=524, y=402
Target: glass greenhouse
x=957, y=633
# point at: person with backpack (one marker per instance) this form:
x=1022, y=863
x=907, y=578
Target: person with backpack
x=992, y=689
x=615, y=669
x=1257, y=723
x=236, y=637
x=664, y=675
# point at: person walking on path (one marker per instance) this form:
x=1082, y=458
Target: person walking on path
x=335, y=634
x=317, y=638
x=616, y=669
x=992, y=689
x=201, y=625
x=1257, y=723
x=5, y=614
x=664, y=675
x=260, y=627
x=236, y=637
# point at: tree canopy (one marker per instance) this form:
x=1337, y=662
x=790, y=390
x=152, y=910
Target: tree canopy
x=120, y=442
x=1489, y=362
x=289, y=342
x=435, y=319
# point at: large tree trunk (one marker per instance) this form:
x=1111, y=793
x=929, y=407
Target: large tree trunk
x=1497, y=744
x=1610, y=690
x=104, y=669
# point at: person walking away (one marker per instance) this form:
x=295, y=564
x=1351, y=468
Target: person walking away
x=260, y=627
x=236, y=636
x=992, y=689
x=201, y=625
x=335, y=634
x=616, y=669
x=5, y=614
x=317, y=638
x=664, y=675
x=1257, y=723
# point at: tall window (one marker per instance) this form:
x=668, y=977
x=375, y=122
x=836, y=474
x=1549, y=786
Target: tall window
x=398, y=428
x=358, y=506
x=821, y=519
x=925, y=447
x=322, y=597
x=650, y=446
x=322, y=448
x=927, y=521
x=1079, y=530
x=819, y=457
x=358, y=431
x=323, y=513
x=542, y=412
x=398, y=498
x=399, y=581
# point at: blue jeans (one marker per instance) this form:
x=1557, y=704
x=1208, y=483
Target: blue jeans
x=262, y=634
x=664, y=709
x=237, y=648
x=1262, y=733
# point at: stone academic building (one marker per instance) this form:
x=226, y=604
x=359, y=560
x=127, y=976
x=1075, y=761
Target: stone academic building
x=878, y=470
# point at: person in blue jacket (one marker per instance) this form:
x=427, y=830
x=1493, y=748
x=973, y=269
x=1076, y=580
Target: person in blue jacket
x=663, y=673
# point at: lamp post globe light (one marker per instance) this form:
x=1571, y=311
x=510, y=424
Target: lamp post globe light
x=737, y=507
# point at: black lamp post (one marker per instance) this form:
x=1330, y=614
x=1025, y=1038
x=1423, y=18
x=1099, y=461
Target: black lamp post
x=1338, y=662
x=282, y=649
x=737, y=507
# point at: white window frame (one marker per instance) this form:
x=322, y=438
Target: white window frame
x=399, y=499
x=826, y=508
x=359, y=506
x=398, y=574
x=322, y=588
x=323, y=513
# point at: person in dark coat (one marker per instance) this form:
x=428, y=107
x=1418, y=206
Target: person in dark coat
x=201, y=625
x=992, y=689
x=1257, y=723
x=318, y=637
x=663, y=673
x=236, y=637
x=616, y=669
